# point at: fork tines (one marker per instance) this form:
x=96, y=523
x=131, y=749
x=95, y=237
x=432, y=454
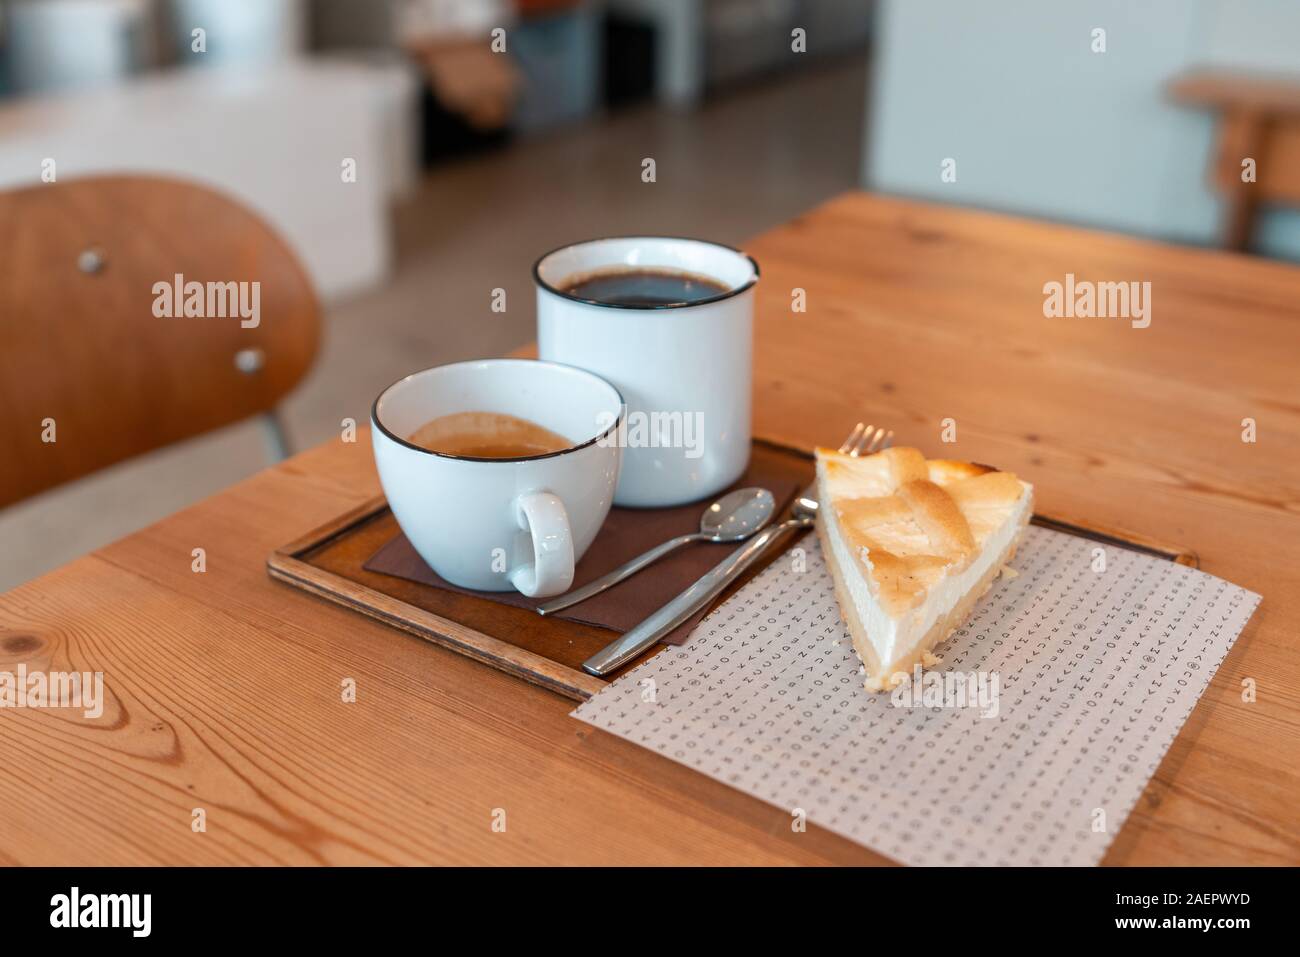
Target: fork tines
x=865, y=439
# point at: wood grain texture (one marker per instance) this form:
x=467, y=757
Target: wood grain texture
x=86, y=350
x=357, y=536
x=225, y=686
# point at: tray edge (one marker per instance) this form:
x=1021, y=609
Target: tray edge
x=285, y=565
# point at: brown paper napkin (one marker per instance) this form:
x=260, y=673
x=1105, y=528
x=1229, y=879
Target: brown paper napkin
x=627, y=532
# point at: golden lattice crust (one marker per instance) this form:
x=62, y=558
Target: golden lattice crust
x=911, y=521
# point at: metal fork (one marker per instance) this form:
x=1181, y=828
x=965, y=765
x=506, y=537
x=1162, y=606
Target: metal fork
x=863, y=440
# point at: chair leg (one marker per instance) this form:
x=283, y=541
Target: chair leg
x=1242, y=133
x=273, y=433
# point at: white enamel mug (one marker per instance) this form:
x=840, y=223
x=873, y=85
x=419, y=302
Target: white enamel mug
x=684, y=370
x=497, y=524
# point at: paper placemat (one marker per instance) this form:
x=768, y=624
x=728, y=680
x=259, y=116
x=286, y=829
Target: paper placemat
x=1076, y=677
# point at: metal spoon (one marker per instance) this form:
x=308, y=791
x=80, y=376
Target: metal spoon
x=733, y=518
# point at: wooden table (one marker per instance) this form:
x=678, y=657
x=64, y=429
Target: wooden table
x=224, y=686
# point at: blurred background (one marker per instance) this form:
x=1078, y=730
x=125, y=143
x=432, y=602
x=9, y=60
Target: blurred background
x=414, y=157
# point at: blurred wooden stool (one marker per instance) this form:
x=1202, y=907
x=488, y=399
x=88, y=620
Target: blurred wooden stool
x=89, y=373
x=1259, y=118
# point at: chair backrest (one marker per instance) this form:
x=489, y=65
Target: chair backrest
x=92, y=369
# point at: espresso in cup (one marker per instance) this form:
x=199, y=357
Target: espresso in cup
x=487, y=435
x=620, y=286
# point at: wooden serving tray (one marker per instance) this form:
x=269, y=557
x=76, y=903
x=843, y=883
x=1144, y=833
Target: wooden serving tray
x=328, y=561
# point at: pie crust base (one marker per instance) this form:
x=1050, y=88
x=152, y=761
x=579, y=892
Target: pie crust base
x=875, y=678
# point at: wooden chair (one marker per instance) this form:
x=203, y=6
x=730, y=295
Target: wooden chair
x=1259, y=119
x=89, y=374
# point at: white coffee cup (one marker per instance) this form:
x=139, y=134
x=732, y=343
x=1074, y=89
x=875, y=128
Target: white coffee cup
x=684, y=369
x=497, y=524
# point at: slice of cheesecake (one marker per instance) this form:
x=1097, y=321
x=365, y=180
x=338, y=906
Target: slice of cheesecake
x=912, y=545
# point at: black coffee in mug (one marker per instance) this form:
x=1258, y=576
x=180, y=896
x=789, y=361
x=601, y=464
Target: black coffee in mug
x=643, y=287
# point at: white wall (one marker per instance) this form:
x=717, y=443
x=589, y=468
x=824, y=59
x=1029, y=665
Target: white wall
x=1041, y=125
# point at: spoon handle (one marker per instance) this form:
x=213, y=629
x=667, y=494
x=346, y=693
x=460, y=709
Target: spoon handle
x=628, y=568
x=633, y=643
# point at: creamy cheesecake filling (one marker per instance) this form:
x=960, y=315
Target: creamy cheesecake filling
x=896, y=638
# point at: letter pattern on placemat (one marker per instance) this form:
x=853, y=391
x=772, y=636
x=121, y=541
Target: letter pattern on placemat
x=1079, y=673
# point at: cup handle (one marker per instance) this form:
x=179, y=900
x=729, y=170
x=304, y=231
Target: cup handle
x=550, y=572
